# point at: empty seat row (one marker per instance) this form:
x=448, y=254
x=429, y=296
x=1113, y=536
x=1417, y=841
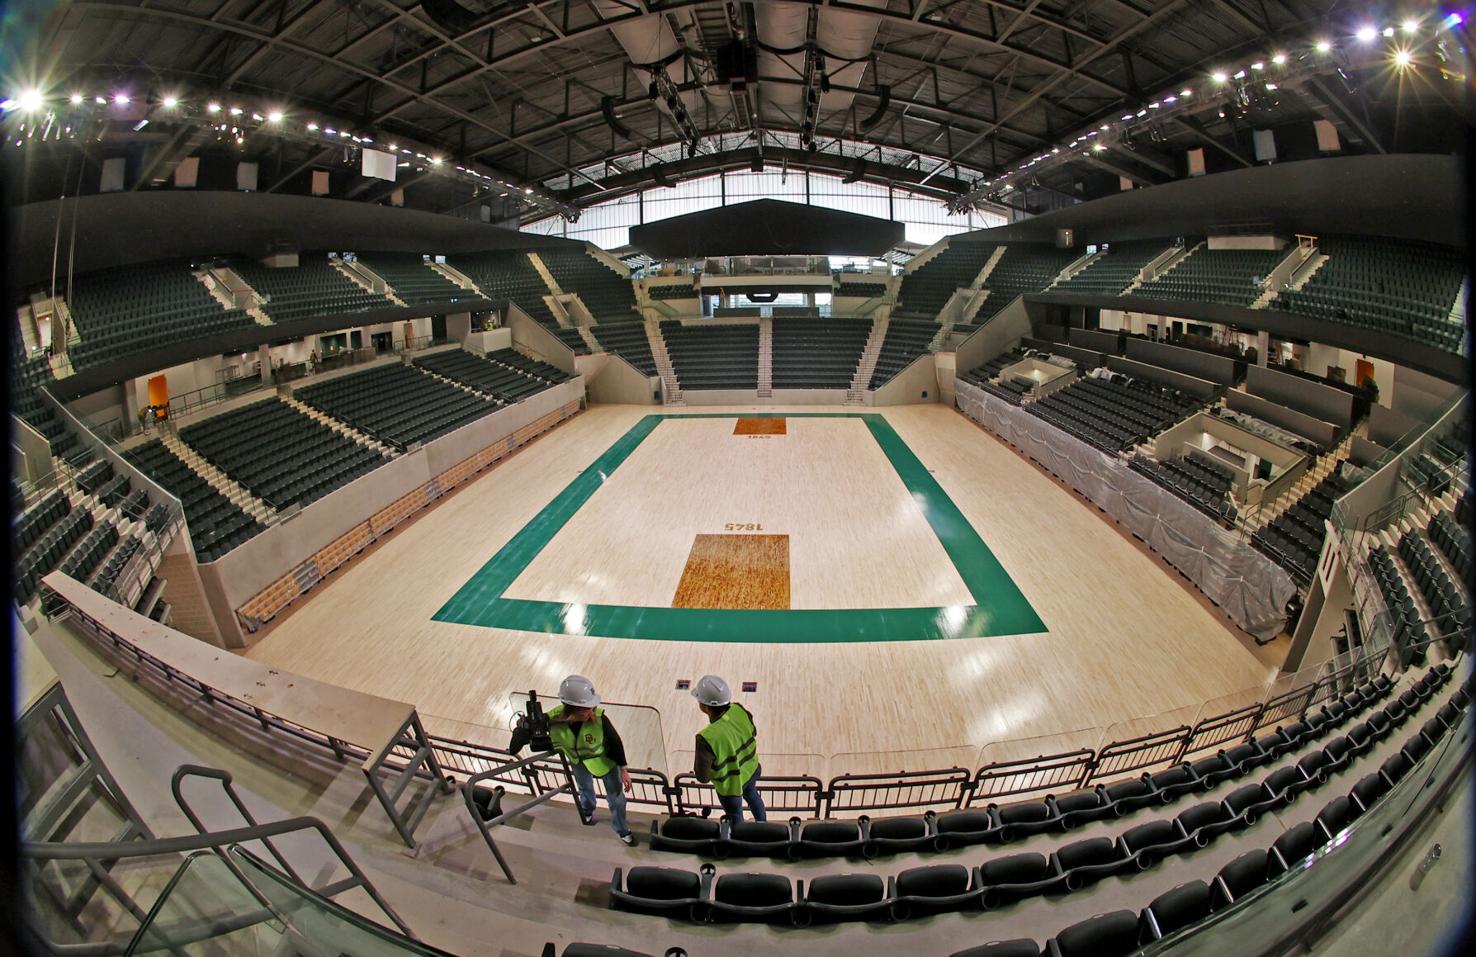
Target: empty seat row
x=1111, y=273
x=925, y=290
x=491, y=378
x=917, y=891
x=713, y=355
x=396, y=404
x=904, y=341
x=1232, y=276
x=42, y=558
x=311, y=288
x=414, y=280
x=39, y=517
x=607, y=295
x=217, y=524
x=1024, y=268
x=1192, y=481
x=1114, y=412
x=817, y=353
x=629, y=341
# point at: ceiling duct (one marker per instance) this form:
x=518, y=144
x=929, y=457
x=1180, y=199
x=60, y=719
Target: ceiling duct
x=845, y=35
x=868, y=123
x=781, y=26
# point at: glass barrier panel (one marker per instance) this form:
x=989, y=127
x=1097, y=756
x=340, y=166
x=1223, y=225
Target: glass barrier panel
x=638, y=725
x=206, y=909
x=316, y=925
x=789, y=784
x=890, y=762
x=1018, y=749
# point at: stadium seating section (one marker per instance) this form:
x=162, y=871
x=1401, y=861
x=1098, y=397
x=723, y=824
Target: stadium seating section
x=502, y=382
x=280, y=455
x=1024, y=267
x=1215, y=275
x=926, y=289
x=312, y=288
x=1395, y=286
x=673, y=291
x=27, y=377
x=1294, y=538
x=1448, y=606
x=396, y=404
x=870, y=290
x=509, y=275
x=629, y=341
x=516, y=360
x=607, y=295
x=1404, y=614
x=981, y=375
x=132, y=309
x=817, y=353
x=1202, y=484
x=906, y=339
x=1114, y=413
x=713, y=356
x=413, y=280
x=217, y=524
x=1109, y=275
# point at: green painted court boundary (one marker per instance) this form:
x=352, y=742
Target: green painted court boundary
x=999, y=607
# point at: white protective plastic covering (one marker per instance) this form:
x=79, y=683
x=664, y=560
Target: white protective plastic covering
x=1250, y=588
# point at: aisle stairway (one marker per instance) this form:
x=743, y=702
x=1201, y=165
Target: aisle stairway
x=864, y=370
x=766, y=359
x=671, y=390
x=336, y=425
x=222, y=483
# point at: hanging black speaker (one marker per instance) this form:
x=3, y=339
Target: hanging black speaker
x=607, y=107
x=856, y=173
x=884, y=98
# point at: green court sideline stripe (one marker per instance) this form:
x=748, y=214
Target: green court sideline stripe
x=1000, y=608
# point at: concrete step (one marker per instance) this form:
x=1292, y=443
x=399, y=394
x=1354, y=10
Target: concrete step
x=337, y=426
x=222, y=482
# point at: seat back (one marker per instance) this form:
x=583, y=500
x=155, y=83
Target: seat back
x=846, y=890
x=1105, y=935
x=753, y=890
x=933, y=881
x=1184, y=905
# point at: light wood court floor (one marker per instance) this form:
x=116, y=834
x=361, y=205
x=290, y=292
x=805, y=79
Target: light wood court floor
x=1125, y=639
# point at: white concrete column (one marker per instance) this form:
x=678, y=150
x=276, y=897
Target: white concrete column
x=264, y=357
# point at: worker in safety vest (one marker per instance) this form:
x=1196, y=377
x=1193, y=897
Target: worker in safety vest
x=582, y=733
x=727, y=750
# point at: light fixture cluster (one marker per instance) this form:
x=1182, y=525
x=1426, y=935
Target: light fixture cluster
x=662, y=89
x=1241, y=83
x=46, y=116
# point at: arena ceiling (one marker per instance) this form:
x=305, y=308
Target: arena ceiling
x=573, y=102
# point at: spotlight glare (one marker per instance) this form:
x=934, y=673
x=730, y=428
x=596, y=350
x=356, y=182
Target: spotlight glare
x=213, y=108
x=170, y=102
x=1410, y=26
x=1402, y=58
x=75, y=99
x=528, y=190
x=312, y=127
x=1219, y=77
x=1186, y=92
x=30, y=100
x=1323, y=46
x=1366, y=34
x=1388, y=32
x=99, y=100
x=120, y=98
x=435, y=161
x=236, y=111
x=1279, y=59
x=275, y=116
x=1098, y=148
x=1258, y=65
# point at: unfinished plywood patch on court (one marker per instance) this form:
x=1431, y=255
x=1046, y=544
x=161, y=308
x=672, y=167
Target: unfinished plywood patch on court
x=761, y=427
x=735, y=571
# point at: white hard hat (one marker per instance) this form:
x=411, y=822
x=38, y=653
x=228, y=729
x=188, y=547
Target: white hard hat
x=578, y=691
x=712, y=691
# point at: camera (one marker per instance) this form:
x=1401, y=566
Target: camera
x=531, y=728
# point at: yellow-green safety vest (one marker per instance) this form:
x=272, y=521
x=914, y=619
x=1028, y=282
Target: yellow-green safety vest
x=734, y=750
x=588, y=747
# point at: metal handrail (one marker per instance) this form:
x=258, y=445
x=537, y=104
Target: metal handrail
x=485, y=826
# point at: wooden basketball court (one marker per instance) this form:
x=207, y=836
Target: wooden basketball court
x=622, y=524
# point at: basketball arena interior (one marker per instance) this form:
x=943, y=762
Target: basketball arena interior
x=1048, y=419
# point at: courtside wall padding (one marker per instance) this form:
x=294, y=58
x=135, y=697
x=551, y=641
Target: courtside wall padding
x=266, y=604
x=1251, y=589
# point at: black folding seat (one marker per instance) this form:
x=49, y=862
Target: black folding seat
x=1151, y=841
x=1284, y=784
x=1105, y=935
x=661, y=890
x=1019, y=947
x=685, y=832
x=1246, y=803
x=1238, y=878
x=958, y=828
x=892, y=834
x=1246, y=756
x=1450, y=714
x=751, y=897
x=843, y=897
x=1214, y=769
x=1316, y=767
x=830, y=838
x=1184, y=906
x=759, y=837
x=1334, y=816
x=1174, y=781
x=1080, y=806
x=1018, y=876
x=1415, y=748
x=931, y=889
x=1293, y=846
x=1084, y=862
x=1130, y=794
x=1433, y=730
x=1026, y=818
x=1338, y=754
x=1380, y=725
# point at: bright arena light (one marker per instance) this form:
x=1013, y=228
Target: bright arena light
x=1402, y=58
x=275, y=116
x=1410, y=26
x=1219, y=77
x=213, y=108
x=170, y=102
x=121, y=99
x=1323, y=46
x=75, y=99
x=1279, y=59
x=30, y=100
x=1366, y=34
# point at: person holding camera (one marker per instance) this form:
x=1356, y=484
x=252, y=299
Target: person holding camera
x=727, y=750
x=581, y=731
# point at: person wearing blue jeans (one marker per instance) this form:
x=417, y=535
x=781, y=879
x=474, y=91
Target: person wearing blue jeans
x=581, y=731
x=727, y=750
